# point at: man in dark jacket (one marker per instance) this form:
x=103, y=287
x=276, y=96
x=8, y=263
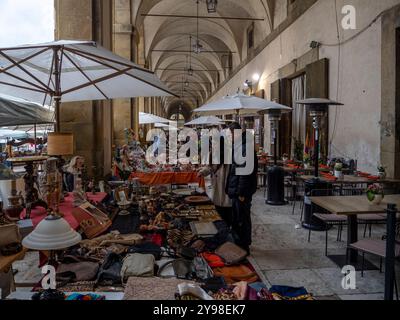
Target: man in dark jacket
x=241, y=188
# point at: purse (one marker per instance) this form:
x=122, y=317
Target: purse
x=183, y=269
x=137, y=265
x=234, y=274
x=231, y=253
x=110, y=271
x=74, y=272
x=92, y=221
x=202, y=269
x=9, y=234
x=147, y=248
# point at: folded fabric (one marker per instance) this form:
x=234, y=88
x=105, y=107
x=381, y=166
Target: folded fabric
x=144, y=288
x=231, y=253
x=233, y=274
x=258, y=286
x=240, y=290
x=213, y=260
x=328, y=176
x=363, y=174
x=85, y=297
x=81, y=271
x=373, y=178
x=290, y=293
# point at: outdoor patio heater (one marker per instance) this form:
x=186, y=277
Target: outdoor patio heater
x=318, y=108
x=275, y=174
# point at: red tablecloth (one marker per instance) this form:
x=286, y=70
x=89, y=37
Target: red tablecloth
x=160, y=178
x=66, y=207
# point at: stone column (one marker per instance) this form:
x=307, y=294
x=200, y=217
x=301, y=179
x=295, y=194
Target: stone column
x=390, y=112
x=122, y=45
x=74, y=21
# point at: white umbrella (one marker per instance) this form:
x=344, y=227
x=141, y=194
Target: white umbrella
x=238, y=104
x=166, y=126
x=67, y=71
x=17, y=112
x=146, y=118
x=205, y=121
x=13, y=134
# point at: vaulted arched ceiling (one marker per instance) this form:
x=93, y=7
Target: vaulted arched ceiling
x=166, y=42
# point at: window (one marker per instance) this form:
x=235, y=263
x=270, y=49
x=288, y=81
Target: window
x=250, y=37
x=291, y=6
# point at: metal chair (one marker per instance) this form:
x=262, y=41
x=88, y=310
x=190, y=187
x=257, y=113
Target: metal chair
x=329, y=219
x=298, y=195
x=377, y=248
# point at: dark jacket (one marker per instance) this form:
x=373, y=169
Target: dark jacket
x=242, y=186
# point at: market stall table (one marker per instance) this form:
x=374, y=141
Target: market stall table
x=66, y=207
x=162, y=178
x=6, y=263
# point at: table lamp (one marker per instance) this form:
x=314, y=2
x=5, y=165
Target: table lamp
x=276, y=174
x=59, y=145
x=318, y=108
x=52, y=234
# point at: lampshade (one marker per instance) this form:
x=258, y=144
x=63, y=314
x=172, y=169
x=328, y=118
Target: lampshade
x=319, y=105
x=319, y=101
x=52, y=233
x=60, y=144
x=275, y=111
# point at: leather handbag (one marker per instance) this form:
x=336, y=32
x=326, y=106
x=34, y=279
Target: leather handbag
x=183, y=269
x=110, y=271
x=81, y=271
x=9, y=234
x=202, y=269
x=231, y=253
x=147, y=248
x=137, y=265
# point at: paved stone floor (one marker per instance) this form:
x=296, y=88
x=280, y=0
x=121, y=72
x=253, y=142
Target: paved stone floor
x=281, y=251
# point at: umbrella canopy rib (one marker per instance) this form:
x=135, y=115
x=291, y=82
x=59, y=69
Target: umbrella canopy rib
x=85, y=75
x=18, y=65
x=84, y=54
x=93, y=82
x=22, y=87
x=23, y=60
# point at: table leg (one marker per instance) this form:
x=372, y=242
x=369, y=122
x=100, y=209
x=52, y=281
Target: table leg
x=390, y=252
x=352, y=237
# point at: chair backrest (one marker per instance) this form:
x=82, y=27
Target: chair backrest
x=323, y=193
x=353, y=191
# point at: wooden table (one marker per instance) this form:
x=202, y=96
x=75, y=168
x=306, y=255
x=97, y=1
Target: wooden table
x=352, y=206
x=6, y=262
x=352, y=180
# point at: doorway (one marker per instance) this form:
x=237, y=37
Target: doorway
x=397, y=102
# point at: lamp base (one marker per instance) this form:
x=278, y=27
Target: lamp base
x=276, y=186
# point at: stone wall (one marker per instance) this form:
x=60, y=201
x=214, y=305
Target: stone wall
x=354, y=129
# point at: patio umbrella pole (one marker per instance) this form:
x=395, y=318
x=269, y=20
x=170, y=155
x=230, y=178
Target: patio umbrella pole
x=35, y=137
x=57, y=95
x=316, y=146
